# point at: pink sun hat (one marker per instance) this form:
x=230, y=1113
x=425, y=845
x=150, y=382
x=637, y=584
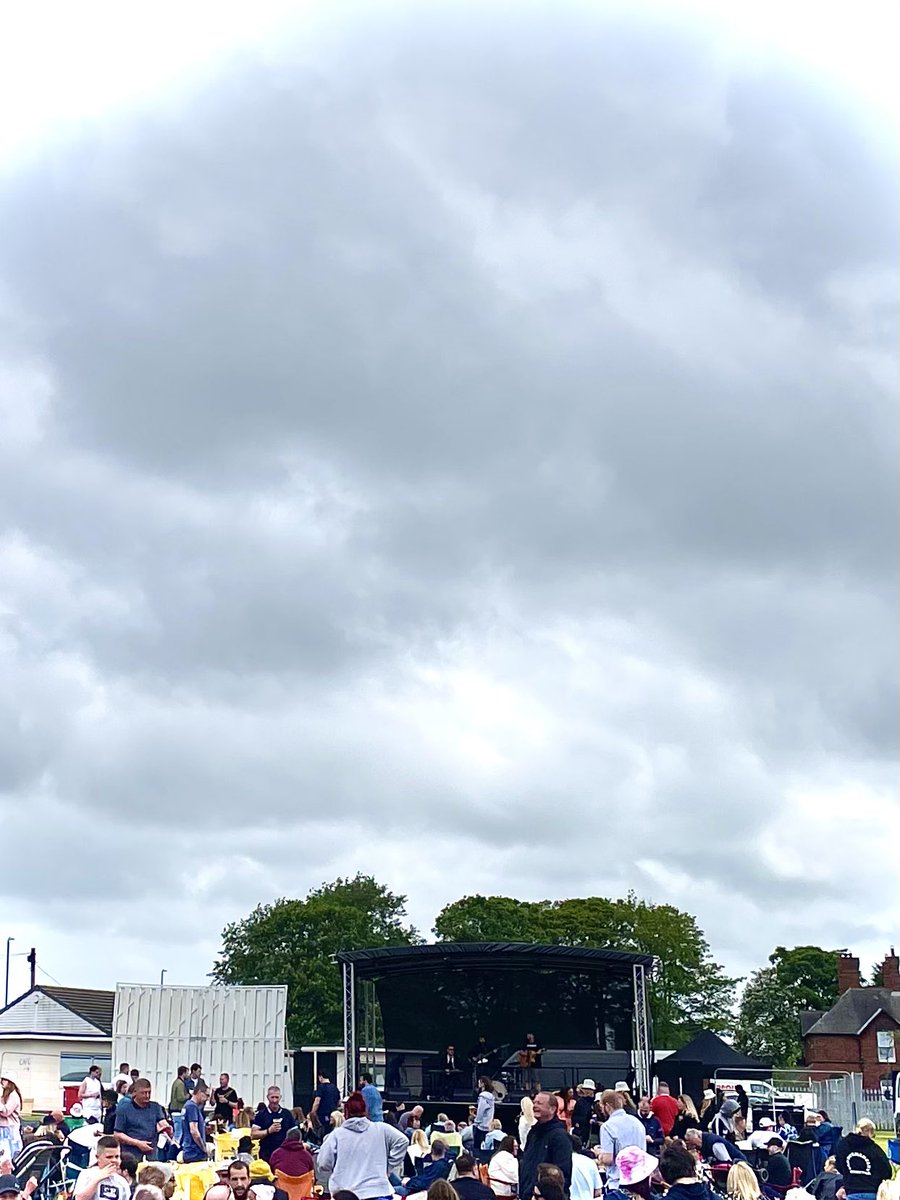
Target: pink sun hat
x=635, y=1165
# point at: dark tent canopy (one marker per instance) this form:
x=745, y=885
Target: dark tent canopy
x=708, y=1049
x=706, y=1057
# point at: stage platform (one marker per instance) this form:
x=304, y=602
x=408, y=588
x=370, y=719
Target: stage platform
x=586, y=1006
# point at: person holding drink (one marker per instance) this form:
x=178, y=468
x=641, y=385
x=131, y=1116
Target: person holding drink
x=271, y=1124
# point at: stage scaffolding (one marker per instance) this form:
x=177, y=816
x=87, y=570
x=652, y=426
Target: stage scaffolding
x=644, y=968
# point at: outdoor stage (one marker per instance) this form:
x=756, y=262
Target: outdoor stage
x=587, y=1007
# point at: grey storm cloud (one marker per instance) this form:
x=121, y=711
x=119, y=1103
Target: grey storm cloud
x=467, y=429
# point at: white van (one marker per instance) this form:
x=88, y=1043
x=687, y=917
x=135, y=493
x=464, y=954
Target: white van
x=764, y=1096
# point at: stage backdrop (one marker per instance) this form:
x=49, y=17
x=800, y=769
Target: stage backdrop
x=429, y=1008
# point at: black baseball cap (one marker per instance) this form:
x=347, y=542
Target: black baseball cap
x=9, y=1183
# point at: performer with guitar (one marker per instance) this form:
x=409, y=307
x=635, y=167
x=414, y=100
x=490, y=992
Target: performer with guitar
x=484, y=1060
x=530, y=1061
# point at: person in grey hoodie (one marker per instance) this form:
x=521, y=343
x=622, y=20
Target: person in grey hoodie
x=361, y=1154
x=723, y=1121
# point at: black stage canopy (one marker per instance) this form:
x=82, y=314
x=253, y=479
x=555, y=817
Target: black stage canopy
x=694, y=1066
x=452, y=992
x=375, y=964
x=711, y=1052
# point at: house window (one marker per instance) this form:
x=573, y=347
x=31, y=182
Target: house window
x=887, y=1049
x=74, y=1067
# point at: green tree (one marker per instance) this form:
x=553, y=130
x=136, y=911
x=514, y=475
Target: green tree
x=810, y=972
x=488, y=919
x=768, y=1025
x=692, y=992
x=292, y=942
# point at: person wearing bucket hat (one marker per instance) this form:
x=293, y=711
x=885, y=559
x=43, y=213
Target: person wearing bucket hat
x=262, y=1182
x=635, y=1168
x=581, y=1113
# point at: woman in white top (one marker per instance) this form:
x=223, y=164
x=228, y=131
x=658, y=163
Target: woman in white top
x=10, y=1118
x=526, y=1120
x=418, y=1148
x=90, y=1091
x=503, y=1169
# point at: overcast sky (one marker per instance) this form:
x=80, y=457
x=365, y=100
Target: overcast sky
x=454, y=442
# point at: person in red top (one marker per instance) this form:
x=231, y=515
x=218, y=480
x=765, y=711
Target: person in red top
x=292, y=1157
x=665, y=1108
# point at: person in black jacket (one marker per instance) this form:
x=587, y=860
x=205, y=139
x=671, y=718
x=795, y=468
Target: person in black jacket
x=861, y=1161
x=777, y=1167
x=826, y=1184
x=548, y=1142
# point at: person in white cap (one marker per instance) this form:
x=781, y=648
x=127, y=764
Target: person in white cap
x=584, y=1106
x=761, y=1137
x=625, y=1092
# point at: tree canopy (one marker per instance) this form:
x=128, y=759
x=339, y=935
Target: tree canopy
x=693, y=991
x=768, y=1022
x=768, y=1025
x=292, y=942
x=810, y=972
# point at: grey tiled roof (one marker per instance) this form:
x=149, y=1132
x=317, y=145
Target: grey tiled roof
x=854, y=1009
x=96, y=1007
x=808, y=1019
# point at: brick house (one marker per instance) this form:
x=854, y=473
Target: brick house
x=861, y=1031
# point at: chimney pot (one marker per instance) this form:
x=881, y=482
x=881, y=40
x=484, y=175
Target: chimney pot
x=848, y=973
x=891, y=971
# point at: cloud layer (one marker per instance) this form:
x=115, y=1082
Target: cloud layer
x=461, y=450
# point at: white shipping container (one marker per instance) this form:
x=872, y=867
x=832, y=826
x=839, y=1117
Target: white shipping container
x=240, y=1030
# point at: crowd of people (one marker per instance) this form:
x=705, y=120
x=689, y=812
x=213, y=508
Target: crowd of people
x=573, y=1144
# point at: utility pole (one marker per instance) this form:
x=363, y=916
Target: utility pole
x=9, y=942
x=32, y=962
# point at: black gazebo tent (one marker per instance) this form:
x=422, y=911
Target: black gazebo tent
x=694, y=1066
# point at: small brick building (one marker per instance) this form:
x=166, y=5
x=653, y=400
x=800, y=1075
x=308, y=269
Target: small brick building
x=861, y=1032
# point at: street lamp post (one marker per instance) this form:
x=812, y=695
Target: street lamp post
x=9, y=942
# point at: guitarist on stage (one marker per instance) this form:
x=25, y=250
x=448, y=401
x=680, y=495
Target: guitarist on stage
x=484, y=1060
x=530, y=1061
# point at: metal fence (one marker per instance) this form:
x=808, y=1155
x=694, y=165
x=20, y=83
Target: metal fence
x=842, y=1097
